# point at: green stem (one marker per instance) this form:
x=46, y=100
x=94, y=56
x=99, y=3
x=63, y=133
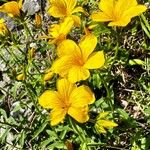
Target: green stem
x=36, y=67
x=80, y=134
x=13, y=147
x=107, y=90
x=32, y=98
x=96, y=144
x=4, y=60
x=27, y=29
x=13, y=55
x=115, y=57
x=6, y=92
x=146, y=22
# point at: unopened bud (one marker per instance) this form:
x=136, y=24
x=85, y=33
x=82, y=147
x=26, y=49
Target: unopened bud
x=20, y=77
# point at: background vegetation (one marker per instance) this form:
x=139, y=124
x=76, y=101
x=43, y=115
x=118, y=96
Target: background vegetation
x=121, y=87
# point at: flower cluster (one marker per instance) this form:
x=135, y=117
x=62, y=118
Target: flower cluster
x=74, y=60
x=72, y=64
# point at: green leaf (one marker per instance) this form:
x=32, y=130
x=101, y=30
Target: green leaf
x=4, y=135
x=145, y=30
x=22, y=138
x=96, y=81
x=58, y=145
x=136, y=62
x=102, y=115
x=39, y=130
x=3, y=113
x=48, y=141
x=147, y=110
x=123, y=114
x=15, y=88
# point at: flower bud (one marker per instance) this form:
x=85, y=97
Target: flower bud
x=38, y=20
x=20, y=77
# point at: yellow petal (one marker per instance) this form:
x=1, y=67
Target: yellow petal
x=78, y=73
x=70, y=5
x=134, y=11
x=81, y=96
x=79, y=113
x=100, y=17
x=2, y=20
x=122, y=22
x=48, y=76
x=79, y=9
x=77, y=20
x=68, y=47
x=10, y=8
x=57, y=115
x=95, y=60
x=107, y=6
x=49, y=99
x=54, y=30
x=66, y=26
x=58, y=8
x=87, y=45
x=3, y=28
x=64, y=88
x=122, y=5
x=20, y=3
x=106, y=123
x=62, y=65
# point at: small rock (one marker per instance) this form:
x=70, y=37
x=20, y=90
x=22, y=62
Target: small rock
x=31, y=6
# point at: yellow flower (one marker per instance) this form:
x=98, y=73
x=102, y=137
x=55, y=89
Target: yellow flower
x=3, y=28
x=68, y=99
x=118, y=12
x=75, y=60
x=12, y=8
x=65, y=8
x=58, y=32
x=102, y=123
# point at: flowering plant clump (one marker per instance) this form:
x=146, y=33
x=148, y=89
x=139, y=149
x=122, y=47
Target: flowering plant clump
x=69, y=80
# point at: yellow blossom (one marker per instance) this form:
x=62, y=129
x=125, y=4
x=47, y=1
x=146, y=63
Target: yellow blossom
x=58, y=32
x=117, y=12
x=102, y=123
x=12, y=8
x=74, y=61
x=65, y=8
x=3, y=28
x=68, y=99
